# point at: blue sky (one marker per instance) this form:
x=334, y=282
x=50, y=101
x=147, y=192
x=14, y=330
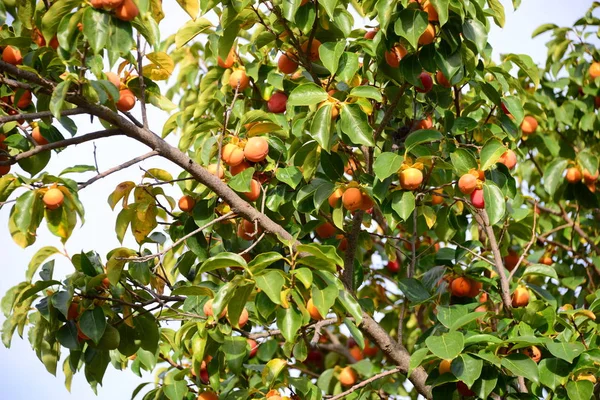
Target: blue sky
x=22, y=376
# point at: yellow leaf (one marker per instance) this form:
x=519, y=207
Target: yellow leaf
x=161, y=67
x=262, y=127
x=192, y=7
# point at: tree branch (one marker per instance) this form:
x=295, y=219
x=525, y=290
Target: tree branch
x=117, y=168
x=40, y=115
x=365, y=383
x=348, y=274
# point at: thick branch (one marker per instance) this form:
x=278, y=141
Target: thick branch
x=40, y=115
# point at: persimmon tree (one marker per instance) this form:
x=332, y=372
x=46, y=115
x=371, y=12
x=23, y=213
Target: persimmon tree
x=374, y=211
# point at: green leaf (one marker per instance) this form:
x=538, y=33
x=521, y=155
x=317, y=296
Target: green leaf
x=222, y=260
x=272, y=371
x=326, y=253
x=587, y=160
x=414, y=290
x=351, y=305
x=441, y=6
x=355, y=125
x=263, y=260
x=446, y=346
x=486, y=383
x=498, y=12
x=271, y=282
x=241, y=182
x=51, y=18
x=490, y=153
x=521, y=365
x=38, y=258
x=540, y=269
x=307, y=94
x=387, y=164
x=554, y=372
x=58, y=98
x=289, y=321
x=321, y=126
x=462, y=161
x=421, y=136
x=176, y=390
x=543, y=28
x=467, y=368
x=93, y=323
x=192, y=291
x=368, y=92
x=565, y=351
x=553, y=175
x=403, y=202
x=527, y=65
x=580, y=390
x=416, y=358
x=67, y=336
x=290, y=176
x=411, y=25
x=235, y=352
x=324, y=299
x=330, y=53
x=95, y=28
x=466, y=319
x=495, y=205
x=475, y=32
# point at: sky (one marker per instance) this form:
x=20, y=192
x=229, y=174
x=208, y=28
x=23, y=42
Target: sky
x=22, y=375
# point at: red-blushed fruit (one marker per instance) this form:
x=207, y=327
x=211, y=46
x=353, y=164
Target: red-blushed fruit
x=411, y=178
x=356, y=353
x=325, y=231
x=287, y=63
x=520, y=297
x=232, y=155
x=312, y=310
x=444, y=366
x=112, y=4
x=426, y=123
x=238, y=79
x=256, y=149
x=467, y=183
x=463, y=389
x=12, y=55
x=529, y=125
x=277, y=103
x=347, y=376
x=573, y=175
x=393, y=266
x=208, y=309
x=186, y=203
x=370, y=351
x=366, y=202
x=371, y=34
x=73, y=311
x=426, y=82
x=243, y=319
x=127, y=11
x=442, y=80
x=208, y=395
x=314, y=49
x=476, y=287
x=477, y=199
x=228, y=62
x=395, y=55
x=4, y=169
x=594, y=70
x=247, y=230
x=534, y=353
x=509, y=158
x=37, y=136
x=204, y=377
x=588, y=177
x=254, y=192
x=462, y=287
x=126, y=100
x=236, y=169
x=253, y=347
x=335, y=197
x=505, y=109
x=352, y=199
x=53, y=198
x=511, y=260
x=315, y=358
x=428, y=36
x=25, y=100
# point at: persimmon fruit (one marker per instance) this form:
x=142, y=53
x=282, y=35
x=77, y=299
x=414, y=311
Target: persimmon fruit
x=277, y=103
x=127, y=11
x=529, y=125
x=36, y=134
x=53, y=198
x=186, y=203
x=256, y=149
x=126, y=100
x=520, y=297
x=411, y=178
x=287, y=63
x=347, y=376
x=12, y=55
x=232, y=155
x=477, y=198
x=325, y=231
x=428, y=36
x=238, y=79
x=467, y=183
x=312, y=310
x=352, y=199
x=254, y=192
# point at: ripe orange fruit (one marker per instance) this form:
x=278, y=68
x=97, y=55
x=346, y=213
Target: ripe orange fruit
x=426, y=123
x=370, y=34
x=432, y=14
x=53, y=198
x=442, y=80
x=253, y=347
x=208, y=395
x=352, y=199
x=366, y=202
x=573, y=175
x=435, y=199
x=350, y=167
x=236, y=169
x=243, y=319
x=37, y=136
x=246, y=230
x=24, y=100
x=411, y=178
x=529, y=125
x=509, y=158
x=314, y=49
x=594, y=70
x=462, y=287
x=588, y=177
x=12, y=55
x=547, y=260
x=126, y=100
x=477, y=199
x=312, y=310
x=347, y=376
x=228, y=63
x=467, y=183
x=325, y=231
x=73, y=312
x=476, y=287
x=335, y=197
x=186, y=203
x=370, y=351
x=254, y=192
x=287, y=63
x=428, y=36
x=114, y=79
x=356, y=353
x=277, y=103
x=256, y=149
x=239, y=77
x=445, y=366
x=127, y=11
x=112, y=4
x=232, y=155
x=534, y=353
x=394, y=55
x=208, y=309
x=520, y=297
x=212, y=169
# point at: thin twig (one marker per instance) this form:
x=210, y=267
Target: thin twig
x=365, y=383
x=142, y=84
x=118, y=168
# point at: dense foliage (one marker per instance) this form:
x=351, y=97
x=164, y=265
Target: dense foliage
x=374, y=211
